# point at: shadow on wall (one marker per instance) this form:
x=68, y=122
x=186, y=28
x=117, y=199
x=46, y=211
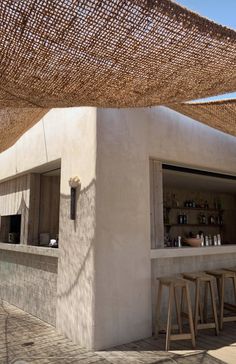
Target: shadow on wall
x=22, y=209
x=15, y=185
x=82, y=237
x=76, y=268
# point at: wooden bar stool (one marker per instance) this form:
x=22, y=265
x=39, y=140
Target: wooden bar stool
x=173, y=284
x=232, y=269
x=206, y=280
x=221, y=276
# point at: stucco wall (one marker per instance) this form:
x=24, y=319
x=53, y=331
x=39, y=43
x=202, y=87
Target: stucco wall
x=76, y=273
x=68, y=135
x=29, y=281
x=127, y=138
x=104, y=269
x=122, y=264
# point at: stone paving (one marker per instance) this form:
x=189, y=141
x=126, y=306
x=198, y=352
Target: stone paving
x=26, y=339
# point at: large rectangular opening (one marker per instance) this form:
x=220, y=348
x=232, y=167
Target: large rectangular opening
x=191, y=204
x=10, y=231
x=49, y=205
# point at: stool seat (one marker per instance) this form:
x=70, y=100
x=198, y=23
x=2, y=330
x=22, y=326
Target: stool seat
x=222, y=272
x=202, y=278
x=174, y=284
x=221, y=276
x=176, y=281
x=233, y=269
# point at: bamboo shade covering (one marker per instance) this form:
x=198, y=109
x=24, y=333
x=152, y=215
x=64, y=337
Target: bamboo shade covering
x=15, y=122
x=110, y=53
x=217, y=114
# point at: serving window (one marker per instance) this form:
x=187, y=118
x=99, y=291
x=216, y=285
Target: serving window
x=191, y=207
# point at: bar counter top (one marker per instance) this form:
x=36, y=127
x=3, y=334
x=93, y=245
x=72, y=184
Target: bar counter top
x=30, y=249
x=188, y=251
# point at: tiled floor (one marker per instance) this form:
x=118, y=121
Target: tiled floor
x=25, y=339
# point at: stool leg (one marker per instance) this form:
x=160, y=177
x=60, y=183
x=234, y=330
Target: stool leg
x=205, y=301
x=196, y=306
x=218, y=289
x=213, y=303
x=190, y=316
x=234, y=284
x=169, y=316
x=178, y=313
x=158, y=309
x=201, y=306
x=222, y=298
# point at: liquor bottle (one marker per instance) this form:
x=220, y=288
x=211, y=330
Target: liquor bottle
x=185, y=218
x=210, y=240
x=202, y=238
x=215, y=240
x=179, y=242
x=211, y=220
x=180, y=219
x=204, y=219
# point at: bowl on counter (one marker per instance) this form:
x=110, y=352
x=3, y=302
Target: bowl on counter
x=193, y=242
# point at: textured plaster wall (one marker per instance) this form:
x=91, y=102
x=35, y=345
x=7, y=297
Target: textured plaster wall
x=69, y=135
x=30, y=282
x=104, y=295
x=76, y=274
x=175, y=138
x=127, y=138
x=122, y=263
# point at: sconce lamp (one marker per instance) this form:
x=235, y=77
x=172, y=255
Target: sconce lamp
x=74, y=182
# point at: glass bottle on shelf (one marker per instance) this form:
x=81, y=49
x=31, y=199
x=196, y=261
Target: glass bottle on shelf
x=185, y=218
x=204, y=219
x=211, y=220
x=210, y=240
x=175, y=202
x=180, y=218
x=206, y=205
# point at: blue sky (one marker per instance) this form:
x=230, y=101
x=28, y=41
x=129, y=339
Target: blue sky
x=220, y=11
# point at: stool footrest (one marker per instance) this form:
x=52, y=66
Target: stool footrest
x=180, y=337
x=209, y=325
x=229, y=306
x=229, y=318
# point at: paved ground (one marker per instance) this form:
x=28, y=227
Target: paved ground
x=25, y=339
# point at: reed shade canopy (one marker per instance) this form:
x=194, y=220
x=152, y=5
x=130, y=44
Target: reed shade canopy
x=217, y=114
x=106, y=53
x=110, y=53
x=15, y=122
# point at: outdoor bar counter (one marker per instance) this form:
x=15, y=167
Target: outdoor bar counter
x=173, y=261
x=30, y=272
x=189, y=252
x=30, y=249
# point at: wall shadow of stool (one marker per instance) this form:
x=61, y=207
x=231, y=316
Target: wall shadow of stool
x=222, y=275
x=206, y=281
x=174, y=285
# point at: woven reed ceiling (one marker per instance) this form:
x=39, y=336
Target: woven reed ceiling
x=218, y=114
x=107, y=53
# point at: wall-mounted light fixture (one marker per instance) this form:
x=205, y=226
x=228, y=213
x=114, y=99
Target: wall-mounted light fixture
x=74, y=183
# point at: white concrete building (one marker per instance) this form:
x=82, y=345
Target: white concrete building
x=99, y=286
